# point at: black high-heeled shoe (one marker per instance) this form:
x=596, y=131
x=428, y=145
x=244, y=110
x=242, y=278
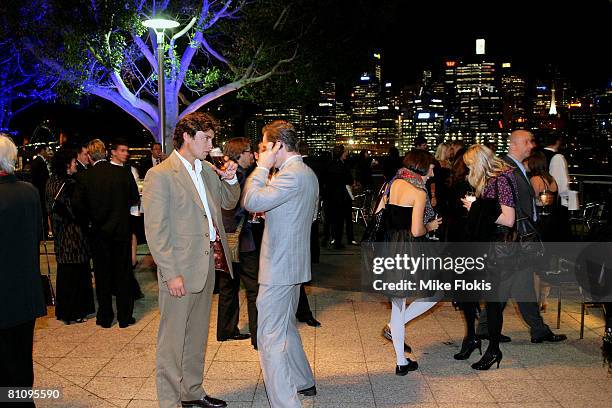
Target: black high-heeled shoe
x=467, y=348
x=488, y=360
x=403, y=369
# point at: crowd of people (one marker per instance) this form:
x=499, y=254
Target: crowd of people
x=253, y=218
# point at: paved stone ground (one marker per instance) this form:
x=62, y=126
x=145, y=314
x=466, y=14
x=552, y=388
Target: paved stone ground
x=353, y=364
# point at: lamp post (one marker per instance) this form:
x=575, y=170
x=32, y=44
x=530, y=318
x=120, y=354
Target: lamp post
x=160, y=25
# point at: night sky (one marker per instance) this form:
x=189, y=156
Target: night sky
x=415, y=35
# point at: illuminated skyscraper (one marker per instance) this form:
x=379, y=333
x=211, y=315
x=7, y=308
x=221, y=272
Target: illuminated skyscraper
x=513, y=98
x=344, y=125
x=321, y=121
x=365, y=101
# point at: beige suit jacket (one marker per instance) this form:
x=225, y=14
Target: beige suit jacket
x=175, y=221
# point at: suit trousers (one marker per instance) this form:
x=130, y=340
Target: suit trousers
x=229, y=288
x=303, y=310
x=16, y=366
x=181, y=343
x=112, y=264
x=519, y=284
x=281, y=353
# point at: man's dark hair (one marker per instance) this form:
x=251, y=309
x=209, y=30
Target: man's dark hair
x=192, y=124
x=39, y=148
x=155, y=144
x=337, y=152
x=419, y=140
x=61, y=160
x=115, y=143
x=303, y=147
x=283, y=131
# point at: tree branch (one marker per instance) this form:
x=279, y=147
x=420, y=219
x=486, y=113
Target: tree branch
x=133, y=99
x=114, y=97
x=145, y=51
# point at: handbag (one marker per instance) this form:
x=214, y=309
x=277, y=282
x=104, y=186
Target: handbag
x=233, y=241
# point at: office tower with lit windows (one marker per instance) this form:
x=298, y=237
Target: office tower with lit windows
x=321, y=120
x=365, y=100
x=344, y=125
x=388, y=111
x=513, y=98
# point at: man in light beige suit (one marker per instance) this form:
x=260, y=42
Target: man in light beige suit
x=290, y=202
x=182, y=199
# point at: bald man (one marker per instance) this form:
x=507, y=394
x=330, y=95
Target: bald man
x=521, y=143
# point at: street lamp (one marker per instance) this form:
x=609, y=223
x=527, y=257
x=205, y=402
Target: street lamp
x=160, y=25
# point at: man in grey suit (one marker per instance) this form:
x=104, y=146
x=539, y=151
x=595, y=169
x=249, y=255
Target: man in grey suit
x=289, y=201
x=521, y=284
x=182, y=199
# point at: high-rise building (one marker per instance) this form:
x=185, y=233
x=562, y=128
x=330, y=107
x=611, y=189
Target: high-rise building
x=321, y=121
x=513, y=98
x=364, y=102
x=344, y=125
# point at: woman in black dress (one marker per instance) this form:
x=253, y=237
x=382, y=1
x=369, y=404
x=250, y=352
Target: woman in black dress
x=74, y=289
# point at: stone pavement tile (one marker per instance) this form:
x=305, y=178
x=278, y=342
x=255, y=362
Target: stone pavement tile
x=331, y=369
x=103, y=348
x=47, y=362
x=466, y=405
x=121, y=403
x=344, y=390
x=153, y=325
x=75, y=332
x=75, y=397
x=575, y=389
x=50, y=347
x=79, y=380
x=546, y=404
x=339, y=352
x=386, y=370
x=344, y=405
x=231, y=390
x=146, y=337
x=553, y=371
x=517, y=391
x=440, y=367
x=585, y=404
x=138, y=403
x=459, y=391
x=148, y=390
x=235, y=351
x=110, y=387
x=45, y=378
x=80, y=366
x=396, y=389
x=129, y=367
x=242, y=370
x=509, y=369
x=40, y=334
x=114, y=334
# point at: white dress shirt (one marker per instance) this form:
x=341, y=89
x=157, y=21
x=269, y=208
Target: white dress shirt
x=196, y=177
x=558, y=169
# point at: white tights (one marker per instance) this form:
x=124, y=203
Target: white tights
x=401, y=315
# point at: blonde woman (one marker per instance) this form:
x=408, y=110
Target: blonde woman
x=493, y=181
x=443, y=155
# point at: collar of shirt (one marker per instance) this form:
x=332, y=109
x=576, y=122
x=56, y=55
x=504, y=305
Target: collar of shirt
x=101, y=160
x=116, y=164
x=550, y=148
x=82, y=164
x=288, y=160
x=196, y=178
x=520, y=166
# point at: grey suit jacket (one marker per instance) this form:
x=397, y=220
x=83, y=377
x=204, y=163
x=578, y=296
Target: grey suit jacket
x=526, y=195
x=290, y=203
x=175, y=220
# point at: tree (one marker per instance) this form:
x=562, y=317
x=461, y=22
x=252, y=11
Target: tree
x=100, y=47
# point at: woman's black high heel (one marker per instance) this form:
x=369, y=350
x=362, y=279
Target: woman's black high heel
x=467, y=348
x=488, y=360
x=403, y=369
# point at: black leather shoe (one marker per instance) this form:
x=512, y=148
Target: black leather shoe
x=502, y=338
x=551, y=337
x=206, y=402
x=386, y=333
x=403, y=369
x=488, y=360
x=239, y=336
x=311, y=322
x=309, y=392
x=130, y=321
x=104, y=325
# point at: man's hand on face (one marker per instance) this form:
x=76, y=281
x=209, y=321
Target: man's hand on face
x=267, y=158
x=176, y=286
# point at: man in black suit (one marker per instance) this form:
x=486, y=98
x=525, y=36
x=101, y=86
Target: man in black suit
x=21, y=294
x=157, y=156
x=82, y=158
x=304, y=313
x=522, y=280
x=104, y=194
x=40, y=175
